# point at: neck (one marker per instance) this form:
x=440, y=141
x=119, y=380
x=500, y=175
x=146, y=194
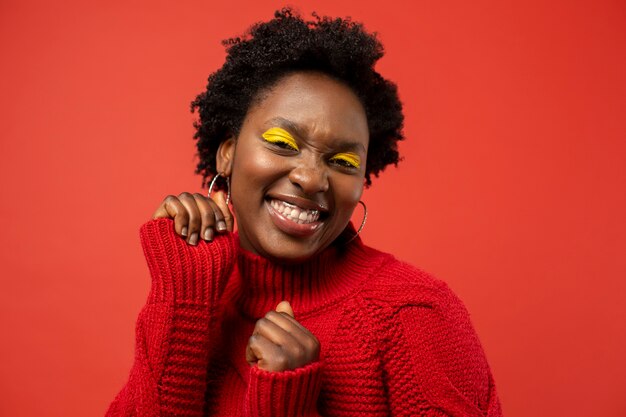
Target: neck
x=308, y=285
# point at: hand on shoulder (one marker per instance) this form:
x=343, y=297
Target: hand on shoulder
x=196, y=216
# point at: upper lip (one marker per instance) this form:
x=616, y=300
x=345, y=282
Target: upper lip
x=301, y=202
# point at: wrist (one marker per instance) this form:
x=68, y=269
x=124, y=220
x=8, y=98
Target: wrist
x=182, y=273
x=288, y=393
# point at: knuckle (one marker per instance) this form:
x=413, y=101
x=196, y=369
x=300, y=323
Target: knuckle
x=299, y=353
x=313, y=345
x=170, y=199
x=253, y=340
x=281, y=361
x=207, y=218
x=194, y=221
x=261, y=324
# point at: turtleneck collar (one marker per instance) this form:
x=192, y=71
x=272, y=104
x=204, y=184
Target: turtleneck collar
x=313, y=284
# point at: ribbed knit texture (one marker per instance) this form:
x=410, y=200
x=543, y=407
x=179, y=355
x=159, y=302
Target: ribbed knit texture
x=395, y=341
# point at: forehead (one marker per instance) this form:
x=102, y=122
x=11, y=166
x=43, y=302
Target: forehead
x=317, y=106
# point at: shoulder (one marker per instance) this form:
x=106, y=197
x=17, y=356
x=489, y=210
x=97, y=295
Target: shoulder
x=397, y=283
x=405, y=297
x=425, y=330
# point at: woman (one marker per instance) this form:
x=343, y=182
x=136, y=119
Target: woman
x=294, y=315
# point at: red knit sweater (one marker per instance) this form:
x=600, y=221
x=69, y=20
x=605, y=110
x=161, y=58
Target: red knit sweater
x=395, y=341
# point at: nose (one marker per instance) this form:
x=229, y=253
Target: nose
x=310, y=176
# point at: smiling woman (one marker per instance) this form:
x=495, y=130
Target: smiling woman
x=296, y=153
x=291, y=315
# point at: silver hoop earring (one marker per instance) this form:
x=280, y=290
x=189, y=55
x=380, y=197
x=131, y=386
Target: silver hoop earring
x=362, y=222
x=227, y=179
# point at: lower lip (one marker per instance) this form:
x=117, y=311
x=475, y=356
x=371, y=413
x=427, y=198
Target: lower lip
x=290, y=227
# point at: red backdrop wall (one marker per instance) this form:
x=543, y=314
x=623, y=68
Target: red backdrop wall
x=512, y=187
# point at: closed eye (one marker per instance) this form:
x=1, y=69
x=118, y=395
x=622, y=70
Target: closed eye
x=347, y=160
x=284, y=145
x=281, y=138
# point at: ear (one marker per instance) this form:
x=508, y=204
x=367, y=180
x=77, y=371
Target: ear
x=225, y=155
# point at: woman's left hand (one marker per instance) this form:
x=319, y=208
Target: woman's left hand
x=280, y=343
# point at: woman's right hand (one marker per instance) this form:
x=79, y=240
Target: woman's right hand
x=196, y=216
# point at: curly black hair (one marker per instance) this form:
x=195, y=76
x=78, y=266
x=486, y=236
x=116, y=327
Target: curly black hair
x=271, y=50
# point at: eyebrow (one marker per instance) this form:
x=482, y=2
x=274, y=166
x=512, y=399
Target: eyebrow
x=342, y=145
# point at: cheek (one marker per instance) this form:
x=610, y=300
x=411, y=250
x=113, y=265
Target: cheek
x=348, y=191
x=255, y=168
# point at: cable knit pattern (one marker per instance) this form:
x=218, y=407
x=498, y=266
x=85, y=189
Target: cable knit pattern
x=395, y=341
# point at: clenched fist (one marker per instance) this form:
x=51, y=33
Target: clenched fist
x=280, y=343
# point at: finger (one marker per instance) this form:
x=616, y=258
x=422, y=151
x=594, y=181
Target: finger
x=297, y=347
x=265, y=354
x=220, y=200
x=286, y=322
x=285, y=307
x=254, y=351
x=274, y=333
x=195, y=221
x=172, y=208
x=220, y=224
x=285, y=310
x=296, y=330
x=207, y=217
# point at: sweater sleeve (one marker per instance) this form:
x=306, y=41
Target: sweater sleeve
x=441, y=355
x=176, y=328
x=284, y=394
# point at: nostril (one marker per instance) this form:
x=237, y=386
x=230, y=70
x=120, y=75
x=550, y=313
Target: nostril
x=310, y=180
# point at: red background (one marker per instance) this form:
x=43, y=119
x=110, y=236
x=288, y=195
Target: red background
x=512, y=187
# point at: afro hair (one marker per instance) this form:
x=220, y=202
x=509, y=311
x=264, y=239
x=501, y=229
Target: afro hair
x=339, y=48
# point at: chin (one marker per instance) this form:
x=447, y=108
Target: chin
x=289, y=250
x=276, y=237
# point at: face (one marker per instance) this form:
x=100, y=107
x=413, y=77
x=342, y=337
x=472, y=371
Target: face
x=297, y=167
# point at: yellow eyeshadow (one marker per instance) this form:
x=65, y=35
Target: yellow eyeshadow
x=278, y=135
x=349, y=157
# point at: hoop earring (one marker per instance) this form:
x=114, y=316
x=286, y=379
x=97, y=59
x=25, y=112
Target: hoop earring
x=362, y=222
x=227, y=179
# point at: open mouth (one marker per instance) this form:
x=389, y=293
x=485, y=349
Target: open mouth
x=294, y=213
x=293, y=219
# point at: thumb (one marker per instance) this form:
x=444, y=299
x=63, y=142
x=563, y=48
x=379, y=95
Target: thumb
x=285, y=307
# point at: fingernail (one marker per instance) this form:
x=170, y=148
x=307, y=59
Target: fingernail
x=208, y=234
x=221, y=225
x=184, y=231
x=193, y=239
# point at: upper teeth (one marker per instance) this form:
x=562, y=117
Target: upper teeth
x=295, y=213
